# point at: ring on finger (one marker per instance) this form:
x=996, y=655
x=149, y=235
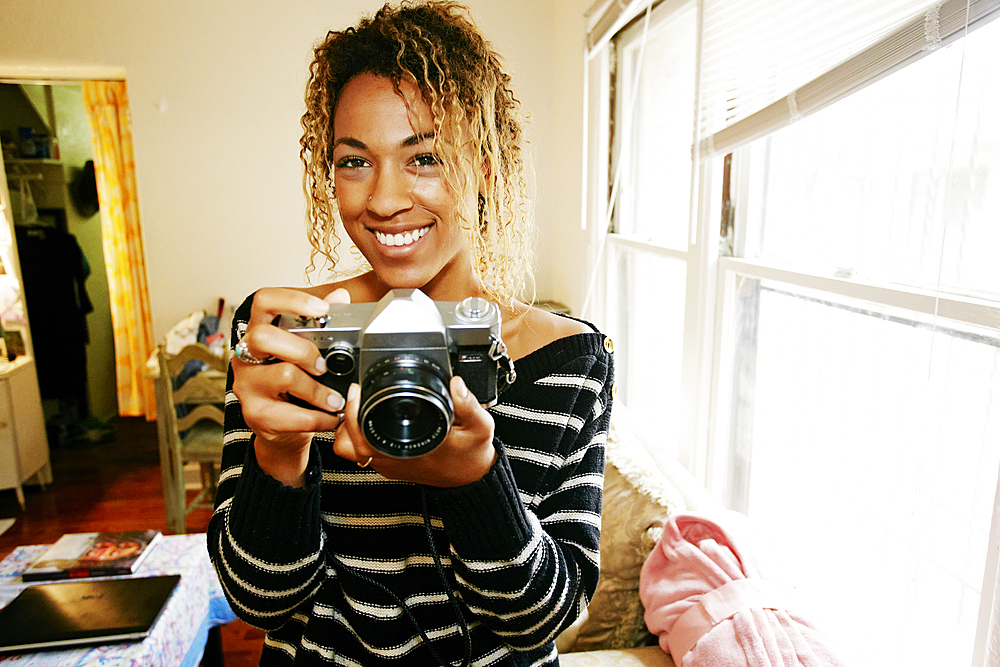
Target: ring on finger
x=243, y=353
x=365, y=464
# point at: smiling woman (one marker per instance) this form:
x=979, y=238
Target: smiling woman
x=485, y=547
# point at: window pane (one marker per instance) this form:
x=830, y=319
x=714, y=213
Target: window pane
x=890, y=184
x=875, y=447
x=646, y=323
x=655, y=186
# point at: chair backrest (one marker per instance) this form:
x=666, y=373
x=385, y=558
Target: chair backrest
x=199, y=391
x=194, y=351
x=190, y=387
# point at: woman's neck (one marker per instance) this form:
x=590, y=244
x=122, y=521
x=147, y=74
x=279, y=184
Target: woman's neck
x=368, y=287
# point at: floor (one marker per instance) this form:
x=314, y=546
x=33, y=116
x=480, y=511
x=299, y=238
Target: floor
x=110, y=485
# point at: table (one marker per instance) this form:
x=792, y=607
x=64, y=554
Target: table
x=179, y=636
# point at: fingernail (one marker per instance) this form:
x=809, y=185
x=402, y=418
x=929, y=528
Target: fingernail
x=352, y=392
x=339, y=295
x=318, y=305
x=335, y=401
x=460, y=387
x=320, y=365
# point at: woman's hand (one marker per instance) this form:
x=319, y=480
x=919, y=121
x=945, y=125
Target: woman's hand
x=464, y=457
x=283, y=429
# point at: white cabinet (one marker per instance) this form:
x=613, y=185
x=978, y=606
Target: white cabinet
x=24, y=445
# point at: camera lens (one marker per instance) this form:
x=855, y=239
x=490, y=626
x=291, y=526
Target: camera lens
x=406, y=407
x=404, y=420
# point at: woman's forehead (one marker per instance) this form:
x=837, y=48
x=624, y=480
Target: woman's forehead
x=375, y=105
x=378, y=113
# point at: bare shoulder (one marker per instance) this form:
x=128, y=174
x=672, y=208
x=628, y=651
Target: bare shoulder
x=556, y=325
x=532, y=329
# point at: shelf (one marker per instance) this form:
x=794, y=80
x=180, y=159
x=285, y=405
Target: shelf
x=33, y=161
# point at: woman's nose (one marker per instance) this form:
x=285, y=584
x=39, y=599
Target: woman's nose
x=391, y=193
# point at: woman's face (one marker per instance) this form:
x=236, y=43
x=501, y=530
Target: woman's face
x=391, y=190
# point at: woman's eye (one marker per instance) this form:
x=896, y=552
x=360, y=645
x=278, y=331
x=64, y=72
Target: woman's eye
x=426, y=160
x=350, y=163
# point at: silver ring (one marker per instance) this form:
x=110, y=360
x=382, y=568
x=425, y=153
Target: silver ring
x=243, y=354
x=365, y=464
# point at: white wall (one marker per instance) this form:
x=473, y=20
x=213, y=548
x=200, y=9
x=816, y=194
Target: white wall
x=216, y=92
x=564, y=271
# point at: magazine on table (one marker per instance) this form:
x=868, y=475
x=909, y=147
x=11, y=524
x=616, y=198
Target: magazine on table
x=101, y=554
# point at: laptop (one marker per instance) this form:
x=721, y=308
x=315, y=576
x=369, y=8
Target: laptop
x=86, y=611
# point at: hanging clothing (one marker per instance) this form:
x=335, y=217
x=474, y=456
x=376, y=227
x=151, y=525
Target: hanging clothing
x=55, y=270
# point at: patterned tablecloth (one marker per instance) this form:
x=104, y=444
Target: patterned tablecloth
x=179, y=636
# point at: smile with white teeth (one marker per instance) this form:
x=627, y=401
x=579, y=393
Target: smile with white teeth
x=401, y=239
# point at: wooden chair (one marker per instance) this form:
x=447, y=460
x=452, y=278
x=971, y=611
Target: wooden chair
x=195, y=435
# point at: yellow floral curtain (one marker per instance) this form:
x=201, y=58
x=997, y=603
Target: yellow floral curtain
x=111, y=136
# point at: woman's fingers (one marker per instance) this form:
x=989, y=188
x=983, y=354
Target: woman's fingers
x=339, y=295
x=266, y=341
x=271, y=342
x=270, y=302
x=263, y=340
x=350, y=443
x=281, y=381
x=270, y=418
x=471, y=421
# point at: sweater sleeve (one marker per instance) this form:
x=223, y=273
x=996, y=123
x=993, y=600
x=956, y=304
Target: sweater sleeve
x=264, y=538
x=525, y=538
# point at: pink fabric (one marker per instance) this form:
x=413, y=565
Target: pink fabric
x=696, y=556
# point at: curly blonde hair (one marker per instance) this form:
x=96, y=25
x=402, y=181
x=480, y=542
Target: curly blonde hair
x=436, y=46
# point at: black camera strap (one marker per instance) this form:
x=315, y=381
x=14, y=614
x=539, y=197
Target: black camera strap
x=498, y=353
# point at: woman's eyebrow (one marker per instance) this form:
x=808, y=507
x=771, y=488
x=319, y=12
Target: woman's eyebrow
x=350, y=141
x=413, y=140
x=417, y=139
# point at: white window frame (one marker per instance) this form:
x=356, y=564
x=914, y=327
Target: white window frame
x=700, y=258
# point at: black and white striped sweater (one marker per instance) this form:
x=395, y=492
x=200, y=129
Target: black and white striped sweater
x=355, y=569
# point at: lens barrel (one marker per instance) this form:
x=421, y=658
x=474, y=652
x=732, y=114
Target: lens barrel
x=406, y=408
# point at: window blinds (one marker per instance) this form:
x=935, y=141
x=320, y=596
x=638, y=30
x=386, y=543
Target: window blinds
x=766, y=64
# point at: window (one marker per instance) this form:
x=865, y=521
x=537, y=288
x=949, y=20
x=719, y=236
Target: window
x=648, y=258
x=820, y=318
x=880, y=418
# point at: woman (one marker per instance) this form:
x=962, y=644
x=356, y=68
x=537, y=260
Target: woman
x=482, y=550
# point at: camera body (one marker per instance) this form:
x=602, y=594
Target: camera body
x=403, y=351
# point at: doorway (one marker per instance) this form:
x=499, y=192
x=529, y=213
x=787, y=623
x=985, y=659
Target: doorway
x=53, y=174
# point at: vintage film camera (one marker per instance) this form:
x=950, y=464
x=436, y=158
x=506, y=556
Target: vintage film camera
x=403, y=351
